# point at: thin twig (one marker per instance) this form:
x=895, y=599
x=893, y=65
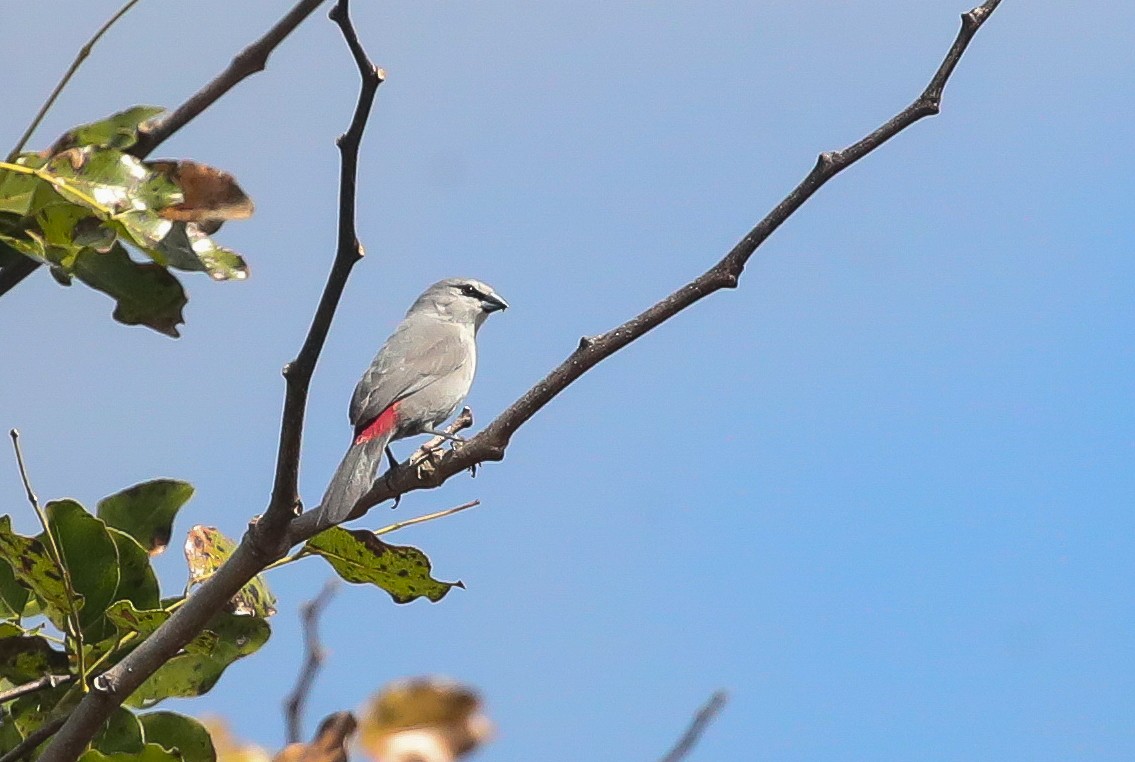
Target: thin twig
x=428, y=517
x=491, y=443
x=297, y=374
x=268, y=538
x=701, y=720
x=76, y=631
x=34, y=739
x=47, y=681
x=82, y=55
x=315, y=654
x=252, y=59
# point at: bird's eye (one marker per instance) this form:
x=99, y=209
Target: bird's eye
x=469, y=290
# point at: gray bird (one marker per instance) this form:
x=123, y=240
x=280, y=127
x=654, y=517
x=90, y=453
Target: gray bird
x=418, y=379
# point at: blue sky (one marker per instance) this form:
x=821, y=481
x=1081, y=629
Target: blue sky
x=882, y=493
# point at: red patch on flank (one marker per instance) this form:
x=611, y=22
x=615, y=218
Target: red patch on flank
x=379, y=427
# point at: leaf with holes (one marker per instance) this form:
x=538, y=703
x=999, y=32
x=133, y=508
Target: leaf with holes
x=205, y=550
x=358, y=556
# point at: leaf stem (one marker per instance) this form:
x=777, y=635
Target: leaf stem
x=57, y=556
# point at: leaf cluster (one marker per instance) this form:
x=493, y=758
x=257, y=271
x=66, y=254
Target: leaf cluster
x=82, y=594
x=83, y=205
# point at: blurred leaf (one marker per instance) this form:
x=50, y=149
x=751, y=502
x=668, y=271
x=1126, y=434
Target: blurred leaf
x=329, y=745
x=210, y=194
x=137, y=582
x=147, y=294
x=120, y=733
x=358, y=556
x=27, y=658
x=179, y=733
x=117, y=130
x=229, y=748
x=146, y=511
x=149, y=753
x=13, y=595
x=35, y=568
x=11, y=630
x=407, y=718
x=205, y=550
x=92, y=560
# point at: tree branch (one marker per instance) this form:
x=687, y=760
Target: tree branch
x=491, y=443
x=266, y=540
x=249, y=61
x=34, y=739
x=315, y=654
x=47, y=681
x=700, y=722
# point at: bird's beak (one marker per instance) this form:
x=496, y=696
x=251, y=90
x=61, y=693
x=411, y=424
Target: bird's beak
x=492, y=303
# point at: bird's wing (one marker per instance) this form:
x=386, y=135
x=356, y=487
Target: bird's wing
x=414, y=357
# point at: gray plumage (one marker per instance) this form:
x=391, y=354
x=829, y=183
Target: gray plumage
x=419, y=379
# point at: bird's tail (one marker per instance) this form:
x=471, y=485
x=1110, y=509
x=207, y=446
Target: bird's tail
x=353, y=478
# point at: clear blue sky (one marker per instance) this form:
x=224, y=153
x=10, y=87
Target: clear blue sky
x=882, y=493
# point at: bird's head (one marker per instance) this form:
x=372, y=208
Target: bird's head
x=462, y=300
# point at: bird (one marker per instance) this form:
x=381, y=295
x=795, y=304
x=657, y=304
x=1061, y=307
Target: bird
x=418, y=379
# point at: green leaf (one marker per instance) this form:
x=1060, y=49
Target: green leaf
x=151, y=752
x=358, y=556
x=237, y=635
x=116, y=181
x=117, y=130
x=122, y=732
x=147, y=294
x=11, y=630
x=183, y=676
x=17, y=191
x=146, y=511
x=129, y=619
x=205, y=550
x=27, y=658
x=33, y=566
x=13, y=595
x=136, y=580
x=92, y=559
x=179, y=733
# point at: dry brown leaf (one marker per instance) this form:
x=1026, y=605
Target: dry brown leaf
x=211, y=195
x=425, y=720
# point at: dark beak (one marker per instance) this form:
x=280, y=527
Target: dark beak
x=493, y=303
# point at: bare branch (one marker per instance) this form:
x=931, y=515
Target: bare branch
x=47, y=681
x=249, y=61
x=285, y=492
x=34, y=739
x=266, y=540
x=491, y=443
x=315, y=654
x=700, y=722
